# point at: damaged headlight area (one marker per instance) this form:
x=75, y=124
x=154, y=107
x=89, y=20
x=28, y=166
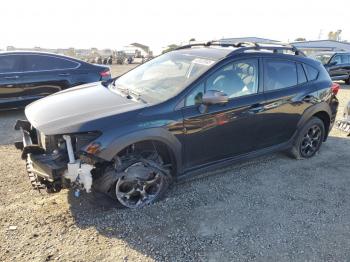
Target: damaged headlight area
x=57, y=161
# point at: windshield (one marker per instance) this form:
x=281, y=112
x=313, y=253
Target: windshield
x=164, y=76
x=323, y=58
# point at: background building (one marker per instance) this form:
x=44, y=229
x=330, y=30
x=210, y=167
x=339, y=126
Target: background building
x=247, y=39
x=310, y=47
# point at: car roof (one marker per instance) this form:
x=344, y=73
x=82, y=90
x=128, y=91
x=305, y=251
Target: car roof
x=20, y=52
x=218, y=53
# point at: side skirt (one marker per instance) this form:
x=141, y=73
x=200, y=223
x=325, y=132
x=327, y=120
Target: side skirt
x=220, y=164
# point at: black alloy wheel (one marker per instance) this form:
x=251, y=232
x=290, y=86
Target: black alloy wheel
x=311, y=141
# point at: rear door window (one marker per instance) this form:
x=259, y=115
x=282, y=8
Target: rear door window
x=47, y=63
x=301, y=74
x=10, y=64
x=279, y=74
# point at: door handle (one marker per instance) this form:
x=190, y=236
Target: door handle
x=256, y=108
x=64, y=74
x=307, y=99
x=11, y=77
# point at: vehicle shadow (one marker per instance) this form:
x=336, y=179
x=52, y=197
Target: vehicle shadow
x=249, y=210
x=7, y=122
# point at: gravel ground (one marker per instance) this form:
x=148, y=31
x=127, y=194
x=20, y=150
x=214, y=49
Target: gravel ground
x=269, y=209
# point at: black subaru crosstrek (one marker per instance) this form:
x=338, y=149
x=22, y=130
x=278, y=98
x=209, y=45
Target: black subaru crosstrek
x=199, y=107
x=27, y=76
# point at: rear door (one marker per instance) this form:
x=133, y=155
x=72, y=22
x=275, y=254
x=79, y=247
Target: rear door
x=11, y=79
x=287, y=95
x=45, y=74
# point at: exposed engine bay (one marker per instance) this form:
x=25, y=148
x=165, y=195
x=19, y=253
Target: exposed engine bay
x=51, y=160
x=57, y=162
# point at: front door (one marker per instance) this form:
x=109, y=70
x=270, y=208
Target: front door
x=223, y=131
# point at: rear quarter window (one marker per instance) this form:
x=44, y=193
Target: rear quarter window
x=311, y=72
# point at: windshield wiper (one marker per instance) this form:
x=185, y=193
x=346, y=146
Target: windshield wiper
x=138, y=95
x=132, y=94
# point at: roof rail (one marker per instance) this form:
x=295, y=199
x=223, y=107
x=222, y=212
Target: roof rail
x=275, y=47
x=244, y=46
x=217, y=43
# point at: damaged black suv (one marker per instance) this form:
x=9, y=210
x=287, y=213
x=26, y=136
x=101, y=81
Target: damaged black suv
x=201, y=106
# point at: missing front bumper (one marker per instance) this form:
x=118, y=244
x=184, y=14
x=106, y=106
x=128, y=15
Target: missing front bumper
x=44, y=169
x=53, y=170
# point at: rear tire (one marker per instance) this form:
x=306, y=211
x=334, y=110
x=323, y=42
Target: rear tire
x=309, y=139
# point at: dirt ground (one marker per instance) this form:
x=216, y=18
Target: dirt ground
x=269, y=209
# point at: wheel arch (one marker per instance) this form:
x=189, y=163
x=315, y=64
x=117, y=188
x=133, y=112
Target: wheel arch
x=321, y=111
x=159, y=135
x=323, y=115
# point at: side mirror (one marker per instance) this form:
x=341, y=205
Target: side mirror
x=214, y=97
x=332, y=63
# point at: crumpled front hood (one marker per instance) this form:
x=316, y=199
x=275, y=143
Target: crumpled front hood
x=73, y=109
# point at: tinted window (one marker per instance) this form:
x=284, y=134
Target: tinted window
x=336, y=59
x=195, y=98
x=311, y=72
x=344, y=59
x=41, y=62
x=279, y=74
x=9, y=63
x=301, y=74
x=236, y=79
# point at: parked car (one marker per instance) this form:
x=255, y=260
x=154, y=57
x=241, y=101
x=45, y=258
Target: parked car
x=200, y=107
x=337, y=64
x=28, y=76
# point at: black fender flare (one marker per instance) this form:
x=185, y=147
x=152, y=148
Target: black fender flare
x=156, y=134
x=309, y=112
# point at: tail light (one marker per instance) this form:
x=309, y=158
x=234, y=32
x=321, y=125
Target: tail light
x=335, y=88
x=105, y=73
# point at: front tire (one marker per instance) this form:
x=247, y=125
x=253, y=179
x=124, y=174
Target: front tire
x=142, y=184
x=309, y=140
x=136, y=179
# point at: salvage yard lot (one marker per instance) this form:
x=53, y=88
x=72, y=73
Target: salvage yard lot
x=272, y=208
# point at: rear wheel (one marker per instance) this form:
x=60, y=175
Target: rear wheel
x=309, y=139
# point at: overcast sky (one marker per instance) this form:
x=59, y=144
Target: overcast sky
x=157, y=23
